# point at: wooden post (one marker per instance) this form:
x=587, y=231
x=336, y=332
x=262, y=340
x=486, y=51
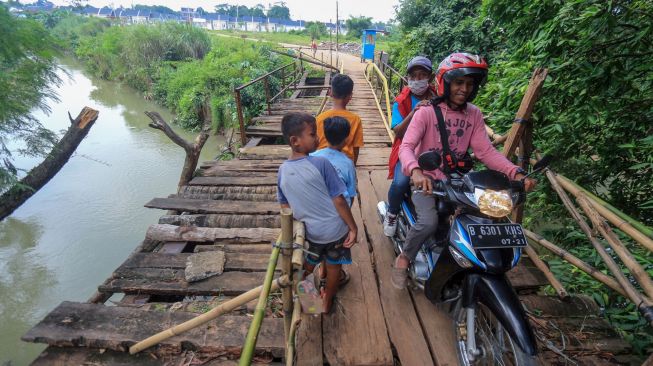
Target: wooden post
x=266, y=85
x=524, y=112
x=241, y=120
x=525, y=150
x=286, y=243
x=297, y=264
x=283, y=82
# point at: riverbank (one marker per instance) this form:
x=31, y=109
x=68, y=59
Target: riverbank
x=72, y=233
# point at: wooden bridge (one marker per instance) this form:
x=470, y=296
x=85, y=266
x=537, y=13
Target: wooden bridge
x=231, y=207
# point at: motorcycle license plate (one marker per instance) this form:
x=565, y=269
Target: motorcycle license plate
x=496, y=235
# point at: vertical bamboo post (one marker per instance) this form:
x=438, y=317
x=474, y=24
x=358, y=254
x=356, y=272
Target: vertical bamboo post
x=252, y=334
x=286, y=266
x=266, y=85
x=297, y=264
x=241, y=119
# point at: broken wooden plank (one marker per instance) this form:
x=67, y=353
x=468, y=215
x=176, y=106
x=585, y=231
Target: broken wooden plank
x=235, y=261
x=67, y=356
x=268, y=180
x=403, y=324
x=211, y=206
x=117, y=328
x=264, y=152
x=222, y=220
x=358, y=314
x=162, y=281
x=573, y=306
x=162, y=232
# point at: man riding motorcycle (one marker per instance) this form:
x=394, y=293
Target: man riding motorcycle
x=458, y=78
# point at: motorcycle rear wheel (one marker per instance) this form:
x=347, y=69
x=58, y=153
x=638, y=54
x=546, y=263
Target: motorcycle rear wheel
x=496, y=345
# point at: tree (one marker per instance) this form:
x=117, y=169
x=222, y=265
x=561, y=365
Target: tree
x=316, y=29
x=280, y=12
x=27, y=80
x=355, y=25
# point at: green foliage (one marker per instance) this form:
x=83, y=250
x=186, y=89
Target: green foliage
x=595, y=111
x=355, y=25
x=179, y=66
x=154, y=8
x=316, y=29
x=27, y=80
x=279, y=11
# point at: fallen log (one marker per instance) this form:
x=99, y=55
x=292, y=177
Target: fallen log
x=56, y=159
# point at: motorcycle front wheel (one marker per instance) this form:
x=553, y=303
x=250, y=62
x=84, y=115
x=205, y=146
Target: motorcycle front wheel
x=492, y=340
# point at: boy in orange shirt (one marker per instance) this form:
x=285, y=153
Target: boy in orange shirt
x=342, y=87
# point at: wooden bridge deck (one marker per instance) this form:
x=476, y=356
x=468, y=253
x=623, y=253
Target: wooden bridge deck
x=231, y=207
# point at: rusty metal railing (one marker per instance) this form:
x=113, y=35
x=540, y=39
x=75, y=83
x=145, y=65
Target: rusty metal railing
x=295, y=69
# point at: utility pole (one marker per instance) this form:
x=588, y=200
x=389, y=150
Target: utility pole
x=337, y=32
x=331, y=43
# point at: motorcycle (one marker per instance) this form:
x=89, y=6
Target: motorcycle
x=463, y=266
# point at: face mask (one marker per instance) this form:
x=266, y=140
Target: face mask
x=418, y=87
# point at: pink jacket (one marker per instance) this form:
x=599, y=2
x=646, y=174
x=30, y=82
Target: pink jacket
x=466, y=129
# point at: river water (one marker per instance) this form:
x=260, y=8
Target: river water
x=69, y=237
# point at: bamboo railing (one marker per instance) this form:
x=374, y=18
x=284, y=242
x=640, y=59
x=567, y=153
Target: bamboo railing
x=600, y=214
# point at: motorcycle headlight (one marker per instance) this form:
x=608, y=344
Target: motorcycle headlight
x=493, y=203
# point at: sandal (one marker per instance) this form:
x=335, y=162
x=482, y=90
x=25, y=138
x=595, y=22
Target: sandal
x=320, y=282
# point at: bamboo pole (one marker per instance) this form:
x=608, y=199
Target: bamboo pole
x=576, y=262
x=259, y=312
x=223, y=308
x=637, y=298
x=298, y=263
x=627, y=258
x=539, y=263
x=286, y=266
x=616, y=220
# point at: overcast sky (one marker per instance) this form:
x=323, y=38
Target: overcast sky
x=323, y=10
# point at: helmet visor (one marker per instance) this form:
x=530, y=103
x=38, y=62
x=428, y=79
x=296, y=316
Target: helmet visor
x=479, y=75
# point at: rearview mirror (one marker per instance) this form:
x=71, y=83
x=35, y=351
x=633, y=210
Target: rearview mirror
x=429, y=160
x=543, y=163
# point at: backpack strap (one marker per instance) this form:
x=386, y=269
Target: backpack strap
x=449, y=160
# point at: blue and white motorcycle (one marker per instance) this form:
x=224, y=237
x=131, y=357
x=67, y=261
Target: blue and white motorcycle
x=464, y=264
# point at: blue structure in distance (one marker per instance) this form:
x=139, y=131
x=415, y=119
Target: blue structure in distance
x=368, y=43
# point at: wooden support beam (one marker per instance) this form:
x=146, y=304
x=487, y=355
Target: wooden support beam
x=525, y=111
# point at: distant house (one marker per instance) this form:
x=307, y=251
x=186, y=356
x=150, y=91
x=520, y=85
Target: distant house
x=105, y=12
x=188, y=14
x=272, y=25
x=90, y=11
x=126, y=16
x=220, y=21
x=253, y=24
x=296, y=25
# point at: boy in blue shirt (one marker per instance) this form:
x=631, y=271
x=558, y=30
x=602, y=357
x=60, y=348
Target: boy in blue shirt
x=336, y=131
x=310, y=186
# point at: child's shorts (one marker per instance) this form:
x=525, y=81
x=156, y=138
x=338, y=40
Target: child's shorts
x=332, y=253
